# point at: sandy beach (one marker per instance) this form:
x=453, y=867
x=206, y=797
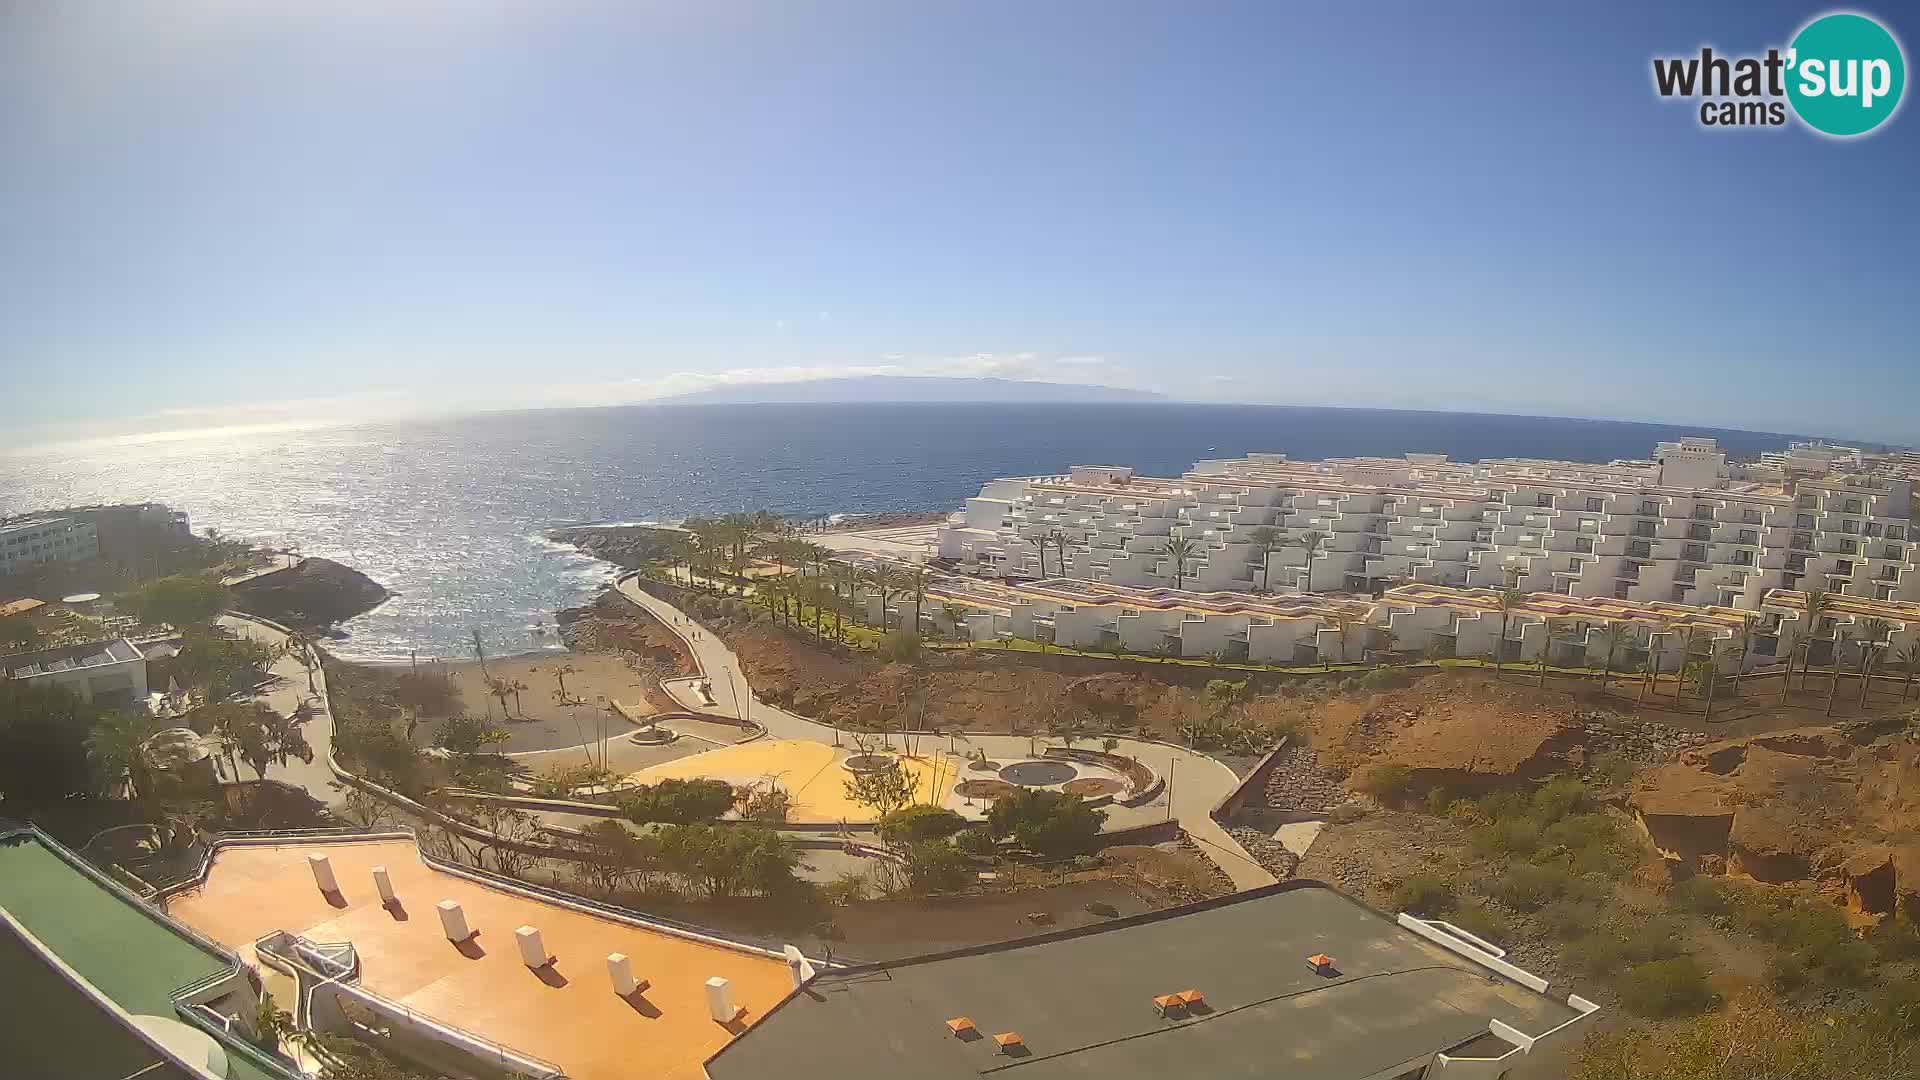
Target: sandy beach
x=536, y=719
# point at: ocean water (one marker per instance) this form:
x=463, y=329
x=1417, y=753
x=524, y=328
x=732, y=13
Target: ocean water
x=450, y=513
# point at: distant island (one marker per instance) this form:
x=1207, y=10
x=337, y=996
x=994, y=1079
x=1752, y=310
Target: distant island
x=907, y=388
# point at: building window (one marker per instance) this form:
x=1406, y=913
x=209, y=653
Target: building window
x=1849, y=525
x=1703, y=513
x=1640, y=549
x=1872, y=529
x=1790, y=581
x=1743, y=558
x=1594, y=505
x=1750, y=516
x=1747, y=536
x=1680, y=594
x=1700, y=532
x=1802, y=540
x=1894, y=551
x=1643, y=528
x=1649, y=508
x=1695, y=552
x=1583, y=543
x=1843, y=567
x=1803, y=521
x=1796, y=562
x=1726, y=598
x=1848, y=547
x=1884, y=592
x=1896, y=532
x=1852, y=506
x=1806, y=502
x=1620, y=590
x=1543, y=500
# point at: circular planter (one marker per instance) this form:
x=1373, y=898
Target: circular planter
x=652, y=737
x=984, y=789
x=982, y=766
x=1038, y=773
x=866, y=763
x=1089, y=787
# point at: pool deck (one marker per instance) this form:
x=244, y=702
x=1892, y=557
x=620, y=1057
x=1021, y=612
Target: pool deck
x=566, y=1014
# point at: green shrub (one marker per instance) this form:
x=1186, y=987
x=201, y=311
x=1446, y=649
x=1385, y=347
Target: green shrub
x=1386, y=678
x=1388, y=783
x=678, y=801
x=1427, y=897
x=1591, y=844
x=1700, y=895
x=937, y=866
x=1613, y=768
x=919, y=823
x=1509, y=836
x=1048, y=822
x=898, y=646
x=1661, y=988
x=1569, y=919
x=1437, y=801
x=1524, y=887
x=974, y=841
x=1481, y=923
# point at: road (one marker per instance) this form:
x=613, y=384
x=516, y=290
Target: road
x=287, y=687
x=1196, y=782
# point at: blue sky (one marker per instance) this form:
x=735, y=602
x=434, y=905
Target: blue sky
x=227, y=212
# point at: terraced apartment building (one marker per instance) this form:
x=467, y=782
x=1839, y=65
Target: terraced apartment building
x=1684, y=527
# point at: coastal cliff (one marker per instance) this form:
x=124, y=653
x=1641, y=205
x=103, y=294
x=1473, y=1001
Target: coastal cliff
x=625, y=546
x=314, y=595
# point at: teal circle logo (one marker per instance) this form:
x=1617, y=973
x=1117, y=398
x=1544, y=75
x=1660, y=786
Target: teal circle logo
x=1845, y=73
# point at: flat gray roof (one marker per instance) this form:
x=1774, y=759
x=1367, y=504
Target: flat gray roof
x=1082, y=1001
x=72, y=657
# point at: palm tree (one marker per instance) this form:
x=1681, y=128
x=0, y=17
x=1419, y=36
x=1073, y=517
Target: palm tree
x=1179, y=549
x=1616, y=635
x=1690, y=640
x=1905, y=659
x=842, y=574
x=1817, y=602
x=885, y=580
x=1510, y=600
x=1041, y=542
x=914, y=580
x=1713, y=671
x=1874, y=634
x=1745, y=636
x=1311, y=540
x=680, y=552
x=1265, y=539
x=1343, y=624
x=955, y=613
x=1653, y=662
x=117, y=746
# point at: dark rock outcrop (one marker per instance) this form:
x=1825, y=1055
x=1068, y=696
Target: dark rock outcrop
x=628, y=546
x=312, y=596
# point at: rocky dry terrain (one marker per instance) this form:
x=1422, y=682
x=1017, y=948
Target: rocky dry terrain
x=1837, y=805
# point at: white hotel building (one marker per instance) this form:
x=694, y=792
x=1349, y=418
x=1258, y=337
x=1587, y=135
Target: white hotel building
x=32, y=541
x=1648, y=542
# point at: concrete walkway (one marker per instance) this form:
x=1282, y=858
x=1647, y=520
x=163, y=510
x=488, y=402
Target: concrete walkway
x=1196, y=783
x=283, y=693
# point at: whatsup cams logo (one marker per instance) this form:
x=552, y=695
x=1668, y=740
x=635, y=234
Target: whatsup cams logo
x=1842, y=76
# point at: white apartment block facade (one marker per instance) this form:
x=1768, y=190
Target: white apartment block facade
x=1683, y=528
x=34, y=541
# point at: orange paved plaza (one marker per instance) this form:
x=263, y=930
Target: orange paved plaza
x=573, y=1020
x=812, y=774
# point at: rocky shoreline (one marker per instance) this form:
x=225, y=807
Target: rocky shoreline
x=315, y=595
x=625, y=546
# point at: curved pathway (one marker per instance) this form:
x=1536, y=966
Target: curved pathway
x=1196, y=782
x=292, y=683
